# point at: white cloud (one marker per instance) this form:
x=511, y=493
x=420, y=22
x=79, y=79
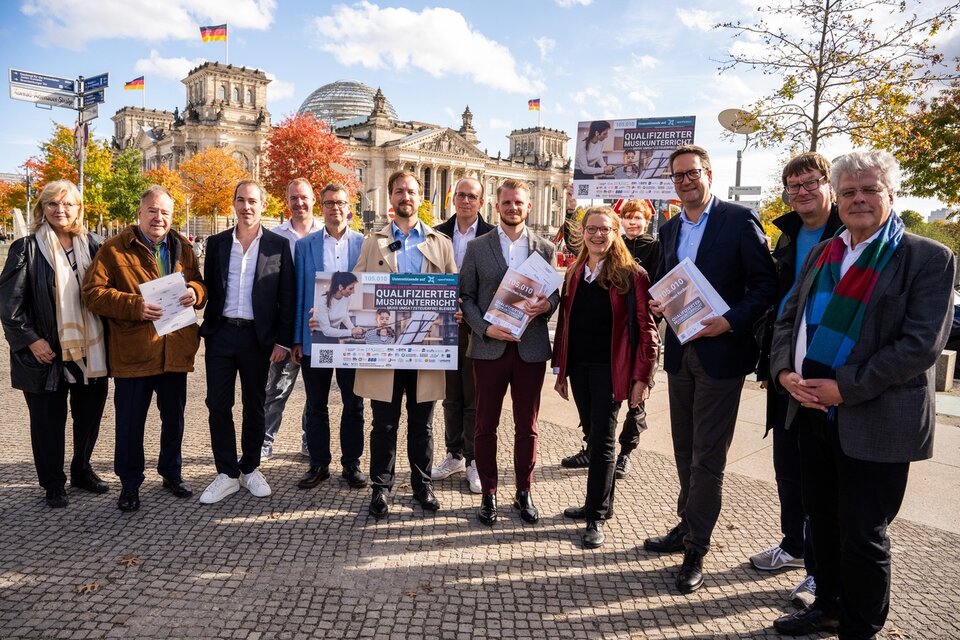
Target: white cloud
x=571, y=3
x=595, y=102
x=498, y=124
x=698, y=18
x=74, y=23
x=171, y=68
x=278, y=89
x=436, y=40
x=545, y=45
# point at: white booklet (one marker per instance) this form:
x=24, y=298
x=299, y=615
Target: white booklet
x=687, y=299
x=166, y=293
x=534, y=277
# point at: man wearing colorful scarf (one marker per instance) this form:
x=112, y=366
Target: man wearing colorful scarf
x=855, y=348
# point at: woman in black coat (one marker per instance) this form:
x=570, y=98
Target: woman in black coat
x=57, y=348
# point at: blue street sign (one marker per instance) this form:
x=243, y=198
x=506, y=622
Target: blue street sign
x=96, y=82
x=94, y=97
x=41, y=81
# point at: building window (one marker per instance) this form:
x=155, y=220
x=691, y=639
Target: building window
x=243, y=160
x=236, y=94
x=223, y=92
x=250, y=97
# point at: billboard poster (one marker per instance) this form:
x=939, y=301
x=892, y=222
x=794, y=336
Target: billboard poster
x=628, y=158
x=384, y=321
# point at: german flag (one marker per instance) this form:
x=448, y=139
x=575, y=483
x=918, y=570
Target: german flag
x=134, y=85
x=533, y=105
x=216, y=33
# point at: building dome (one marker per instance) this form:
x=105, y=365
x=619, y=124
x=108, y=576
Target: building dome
x=343, y=100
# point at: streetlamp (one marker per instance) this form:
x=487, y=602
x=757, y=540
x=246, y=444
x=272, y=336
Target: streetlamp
x=738, y=121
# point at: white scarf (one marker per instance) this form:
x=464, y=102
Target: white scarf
x=80, y=332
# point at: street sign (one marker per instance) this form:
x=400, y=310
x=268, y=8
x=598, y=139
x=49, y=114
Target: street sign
x=745, y=191
x=42, y=97
x=94, y=97
x=89, y=113
x=81, y=133
x=96, y=82
x=41, y=81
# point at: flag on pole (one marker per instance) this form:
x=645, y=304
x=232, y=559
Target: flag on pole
x=215, y=33
x=134, y=85
x=533, y=105
x=446, y=201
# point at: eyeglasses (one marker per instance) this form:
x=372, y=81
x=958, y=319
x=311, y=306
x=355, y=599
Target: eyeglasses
x=593, y=230
x=56, y=205
x=339, y=204
x=868, y=192
x=470, y=197
x=808, y=186
x=693, y=175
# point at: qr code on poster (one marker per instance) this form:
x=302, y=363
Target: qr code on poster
x=583, y=189
x=325, y=356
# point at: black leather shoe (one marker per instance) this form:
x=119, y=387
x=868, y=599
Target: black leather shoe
x=426, y=499
x=593, y=537
x=354, y=477
x=91, y=482
x=488, y=509
x=378, y=503
x=806, y=621
x=672, y=542
x=690, y=577
x=528, y=512
x=313, y=477
x=580, y=513
x=179, y=487
x=129, y=500
x=57, y=498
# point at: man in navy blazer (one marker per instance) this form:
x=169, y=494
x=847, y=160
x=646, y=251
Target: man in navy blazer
x=248, y=324
x=335, y=248
x=705, y=375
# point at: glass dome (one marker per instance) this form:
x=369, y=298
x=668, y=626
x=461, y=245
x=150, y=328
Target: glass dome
x=343, y=100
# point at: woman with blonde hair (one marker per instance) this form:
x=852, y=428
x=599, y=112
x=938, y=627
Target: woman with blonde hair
x=57, y=348
x=606, y=344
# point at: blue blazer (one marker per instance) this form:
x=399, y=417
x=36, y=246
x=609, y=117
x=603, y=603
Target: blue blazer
x=734, y=257
x=308, y=258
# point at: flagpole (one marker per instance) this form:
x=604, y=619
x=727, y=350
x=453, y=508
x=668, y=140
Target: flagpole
x=226, y=43
x=143, y=96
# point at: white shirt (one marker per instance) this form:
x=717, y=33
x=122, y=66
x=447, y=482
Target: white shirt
x=331, y=318
x=590, y=276
x=514, y=251
x=287, y=231
x=336, y=253
x=460, y=240
x=238, y=298
x=849, y=257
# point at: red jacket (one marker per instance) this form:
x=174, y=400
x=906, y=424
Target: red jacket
x=624, y=370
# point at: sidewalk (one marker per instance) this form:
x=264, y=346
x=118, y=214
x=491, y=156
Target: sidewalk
x=303, y=564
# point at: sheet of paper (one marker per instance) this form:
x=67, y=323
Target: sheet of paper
x=519, y=286
x=687, y=299
x=166, y=292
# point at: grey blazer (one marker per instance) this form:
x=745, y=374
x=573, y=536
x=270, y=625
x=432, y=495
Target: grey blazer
x=480, y=274
x=887, y=383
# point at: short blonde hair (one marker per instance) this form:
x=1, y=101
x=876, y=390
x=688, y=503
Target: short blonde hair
x=51, y=191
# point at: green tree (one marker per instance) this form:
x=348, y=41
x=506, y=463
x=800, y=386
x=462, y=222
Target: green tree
x=425, y=213
x=844, y=65
x=125, y=185
x=911, y=219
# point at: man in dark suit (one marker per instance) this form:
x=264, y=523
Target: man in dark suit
x=247, y=326
x=856, y=348
x=459, y=409
x=501, y=360
x=705, y=375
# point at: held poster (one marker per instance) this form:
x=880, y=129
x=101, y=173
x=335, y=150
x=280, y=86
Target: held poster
x=384, y=321
x=628, y=158
x=687, y=298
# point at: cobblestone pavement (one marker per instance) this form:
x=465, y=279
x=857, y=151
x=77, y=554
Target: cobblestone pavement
x=303, y=564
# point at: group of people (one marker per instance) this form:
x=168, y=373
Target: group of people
x=846, y=318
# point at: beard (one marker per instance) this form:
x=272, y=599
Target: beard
x=405, y=210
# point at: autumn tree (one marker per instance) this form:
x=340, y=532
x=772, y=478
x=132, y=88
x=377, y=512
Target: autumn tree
x=425, y=213
x=302, y=146
x=209, y=178
x=769, y=210
x=125, y=185
x=843, y=65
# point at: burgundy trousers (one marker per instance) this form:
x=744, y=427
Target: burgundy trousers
x=491, y=378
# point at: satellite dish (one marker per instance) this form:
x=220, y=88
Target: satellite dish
x=737, y=121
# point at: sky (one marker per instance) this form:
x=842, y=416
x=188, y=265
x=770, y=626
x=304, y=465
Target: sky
x=584, y=59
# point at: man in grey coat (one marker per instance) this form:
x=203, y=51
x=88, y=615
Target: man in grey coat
x=855, y=348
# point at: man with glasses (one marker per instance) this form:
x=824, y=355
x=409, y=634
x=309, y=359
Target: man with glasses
x=705, y=375
x=459, y=410
x=283, y=375
x=335, y=247
x=814, y=218
x=499, y=359
x=855, y=348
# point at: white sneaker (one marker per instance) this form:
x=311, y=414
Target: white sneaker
x=255, y=483
x=473, y=478
x=804, y=594
x=221, y=487
x=448, y=467
x=774, y=559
